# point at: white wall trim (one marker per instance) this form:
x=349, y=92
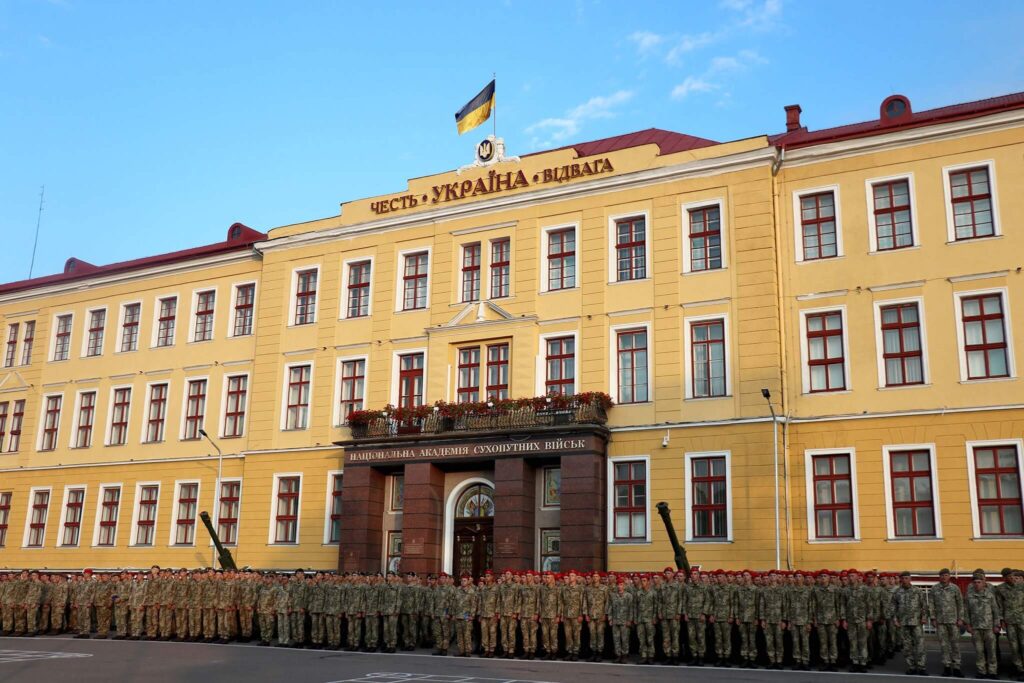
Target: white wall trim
x=136, y=509
x=216, y=507
x=44, y=399
x=293, y=290
x=64, y=512
x=53, y=336
x=331, y=474
x=28, y=516
x=798, y=244
x=194, y=310
x=878, y=305
x=541, y=370
x=175, y=504
x=890, y=512
x=85, y=330
x=346, y=268
x=958, y=313
x=278, y=476
x=613, y=271
x=284, y=395
x=611, y=497
x=972, y=480
x=99, y=513
x=232, y=312
x=339, y=363
x=688, y=459
x=395, y=368
x=997, y=225
x=613, y=363
x=122, y=307
x=685, y=210
x=155, y=327
x=76, y=417
x=222, y=414
x=809, y=500
x=869, y=191
x=805, y=368
x=400, y=272
x=186, y=383
x=688, y=323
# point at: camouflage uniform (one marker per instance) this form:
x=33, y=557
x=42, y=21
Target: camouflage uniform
x=597, y=611
x=390, y=607
x=246, y=602
x=208, y=600
x=297, y=591
x=225, y=598
x=826, y=613
x=332, y=613
x=878, y=642
x=801, y=610
x=315, y=599
x=283, y=606
x=59, y=594
x=32, y=599
x=947, y=611
x=266, y=606
x=487, y=606
x=44, y=611
x=137, y=605
x=646, y=618
x=122, y=594
x=166, y=607
x=442, y=609
x=983, y=617
x=355, y=607
x=1013, y=615
x=509, y=602
x=670, y=608
x=572, y=617
x=103, y=601
x=529, y=599
x=772, y=610
x=465, y=608
x=409, y=604
x=747, y=598
x=550, y=613
x=621, y=616
x=6, y=605
x=194, y=600
x=909, y=613
x=697, y=607
x=723, y=609
x=371, y=616
x=856, y=609
x=179, y=600
x=83, y=602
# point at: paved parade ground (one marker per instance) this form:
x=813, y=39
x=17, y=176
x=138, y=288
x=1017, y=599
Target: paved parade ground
x=62, y=658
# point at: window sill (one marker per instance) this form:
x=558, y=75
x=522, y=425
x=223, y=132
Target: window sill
x=330, y=545
x=348, y=318
x=62, y=360
x=986, y=539
x=425, y=309
x=90, y=355
x=828, y=393
x=899, y=387
x=151, y=443
x=830, y=259
x=690, y=399
x=293, y=429
x=710, y=541
x=823, y=541
x=971, y=240
x=895, y=250
x=558, y=291
x=117, y=353
x=292, y=326
x=635, y=403
x=283, y=544
x=628, y=543
x=161, y=346
x=706, y=271
x=923, y=539
x=988, y=380
x=616, y=283
x=199, y=341
x=232, y=436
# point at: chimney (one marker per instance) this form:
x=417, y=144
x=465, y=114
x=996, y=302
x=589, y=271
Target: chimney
x=793, y=117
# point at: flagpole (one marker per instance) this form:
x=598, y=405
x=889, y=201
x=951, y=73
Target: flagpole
x=494, y=114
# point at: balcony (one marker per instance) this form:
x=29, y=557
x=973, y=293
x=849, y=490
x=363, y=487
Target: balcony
x=588, y=408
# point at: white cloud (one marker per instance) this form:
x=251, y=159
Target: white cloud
x=759, y=17
x=646, y=41
x=692, y=84
x=600, y=107
x=689, y=43
x=719, y=69
x=558, y=129
x=739, y=62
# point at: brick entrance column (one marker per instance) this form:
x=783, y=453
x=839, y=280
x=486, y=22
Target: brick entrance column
x=514, y=514
x=422, y=518
x=362, y=520
x=583, y=514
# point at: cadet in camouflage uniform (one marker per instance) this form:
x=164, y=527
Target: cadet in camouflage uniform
x=572, y=615
x=60, y=591
x=409, y=598
x=266, y=607
x=166, y=606
x=315, y=603
x=529, y=617
x=6, y=604
x=550, y=614
x=670, y=609
x=297, y=597
x=248, y=590
x=856, y=611
x=442, y=607
x=283, y=606
x=122, y=594
x=509, y=603
x=1013, y=617
x=426, y=601
x=947, y=615
x=596, y=595
x=355, y=607
x=801, y=617
x=44, y=610
x=621, y=617
x=371, y=617
x=32, y=600
x=179, y=598
x=390, y=608
x=490, y=614
x=83, y=605
x=879, y=636
x=696, y=608
x=465, y=607
x=826, y=615
x=646, y=619
x=910, y=613
x=333, y=611
x=723, y=610
x=982, y=611
x=746, y=617
x=103, y=602
x=137, y=606
x=194, y=601
x=1001, y=589
x=773, y=613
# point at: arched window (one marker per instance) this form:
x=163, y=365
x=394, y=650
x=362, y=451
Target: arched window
x=476, y=501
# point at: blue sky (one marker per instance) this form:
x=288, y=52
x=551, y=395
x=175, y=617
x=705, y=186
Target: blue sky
x=155, y=125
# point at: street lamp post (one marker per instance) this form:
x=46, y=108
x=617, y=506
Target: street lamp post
x=775, y=449
x=216, y=486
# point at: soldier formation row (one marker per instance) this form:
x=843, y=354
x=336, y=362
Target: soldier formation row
x=772, y=617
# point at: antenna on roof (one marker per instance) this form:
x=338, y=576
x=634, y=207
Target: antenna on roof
x=39, y=220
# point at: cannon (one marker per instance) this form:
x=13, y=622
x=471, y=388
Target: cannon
x=226, y=561
x=680, y=551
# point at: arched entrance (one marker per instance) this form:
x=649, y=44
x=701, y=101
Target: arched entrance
x=473, y=530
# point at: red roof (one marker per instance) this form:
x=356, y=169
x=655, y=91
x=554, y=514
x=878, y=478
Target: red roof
x=239, y=237
x=966, y=110
x=668, y=142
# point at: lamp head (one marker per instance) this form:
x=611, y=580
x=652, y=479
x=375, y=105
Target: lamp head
x=767, y=394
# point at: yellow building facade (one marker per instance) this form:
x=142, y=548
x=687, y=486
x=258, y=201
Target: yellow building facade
x=814, y=327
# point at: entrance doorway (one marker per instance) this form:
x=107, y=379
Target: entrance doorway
x=473, y=549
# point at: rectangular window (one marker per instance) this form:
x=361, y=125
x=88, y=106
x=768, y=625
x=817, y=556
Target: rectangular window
x=86, y=417
x=971, y=196
x=97, y=326
x=394, y=551
x=414, y=281
x=148, y=497
x=119, y=416
x=5, y=516
x=130, y=327
x=833, y=496
x=157, y=417
x=245, y=298
x=195, y=408
x=17, y=417
x=497, y=372
x=562, y=259
x=818, y=226
x=630, y=501
x=234, y=406
x=166, y=320
x=550, y=550
x=410, y=380
x=825, y=361
x=469, y=375
x=358, y=289
x=705, y=238
x=560, y=363
x=227, y=512
x=73, y=517
x=305, y=296
x=913, y=507
x=62, y=337
x=51, y=423
x=297, y=413
x=397, y=493
x=27, y=341
x=893, y=228
x=501, y=255
x=997, y=471
x=109, y=508
x=709, y=496
x=334, y=534
x=471, y=272
x=631, y=351
x=901, y=345
x=11, y=351
x=707, y=348
x=631, y=249
x=185, y=522
x=205, y=303
x=985, y=336
x=353, y=379
x=4, y=408
x=287, y=513
x=37, y=520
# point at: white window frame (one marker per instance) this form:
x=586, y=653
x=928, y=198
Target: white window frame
x=809, y=454
x=99, y=515
x=53, y=336
x=120, y=326
x=42, y=421
x=798, y=244
x=136, y=509
x=396, y=368
x=294, y=290
x=890, y=512
x=155, y=331
x=18, y=342
x=688, y=355
x=216, y=506
x=28, y=516
x=545, y=231
x=485, y=262
x=542, y=355
x=85, y=331
x=613, y=270
x=193, y=311
x=284, y=395
x=880, y=343
x=613, y=365
x=222, y=413
x=174, y=513
x=327, y=508
x=972, y=481
x=869, y=194
x=336, y=412
x=184, y=405
x=685, y=233
x=144, y=426
x=63, y=515
x=76, y=417
x=997, y=224
x=805, y=368
x=958, y=312
x=108, y=432
x=278, y=476
x=346, y=267
x=235, y=286
x=460, y=255
x=688, y=459
x=610, y=493
x=400, y=282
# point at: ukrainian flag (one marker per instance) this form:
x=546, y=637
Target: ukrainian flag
x=476, y=111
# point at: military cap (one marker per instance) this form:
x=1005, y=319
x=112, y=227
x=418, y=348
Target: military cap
x=1005, y=572
x=944, y=570
x=980, y=574
x=904, y=573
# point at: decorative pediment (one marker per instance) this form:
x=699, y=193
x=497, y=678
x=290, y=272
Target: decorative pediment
x=480, y=313
x=12, y=381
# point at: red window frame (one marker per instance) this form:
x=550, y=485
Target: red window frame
x=900, y=326
x=1006, y=497
x=471, y=272
x=17, y=419
x=501, y=263
x=27, y=341
x=825, y=333
x=234, y=407
x=705, y=238
x=353, y=386
x=4, y=408
x=40, y=510
x=73, y=517
x=205, y=305
x=911, y=474
x=149, y=496
x=97, y=326
x=888, y=206
x=468, y=369
x=629, y=497
x=245, y=298
x=110, y=508
x=157, y=417
x=411, y=380
x=5, y=515
x=130, y=327
x=359, y=274
x=701, y=358
x=627, y=374
x=86, y=417
x=185, y=519
x=297, y=414
x=195, y=409
x=287, y=513
x=971, y=199
x=982, y=320
x=812, y=226
x=12, y=345
x=560, y=366
x=334, y=533
x=704, y=483
x=119, y=416
x=305, y=296
x=167, y=321
x=229, y=505
x=833, y=508
x=631, y=249
x=414, y=281
x=51, y=423
x=561, y=259
x=62, y=340
x=497, y=372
